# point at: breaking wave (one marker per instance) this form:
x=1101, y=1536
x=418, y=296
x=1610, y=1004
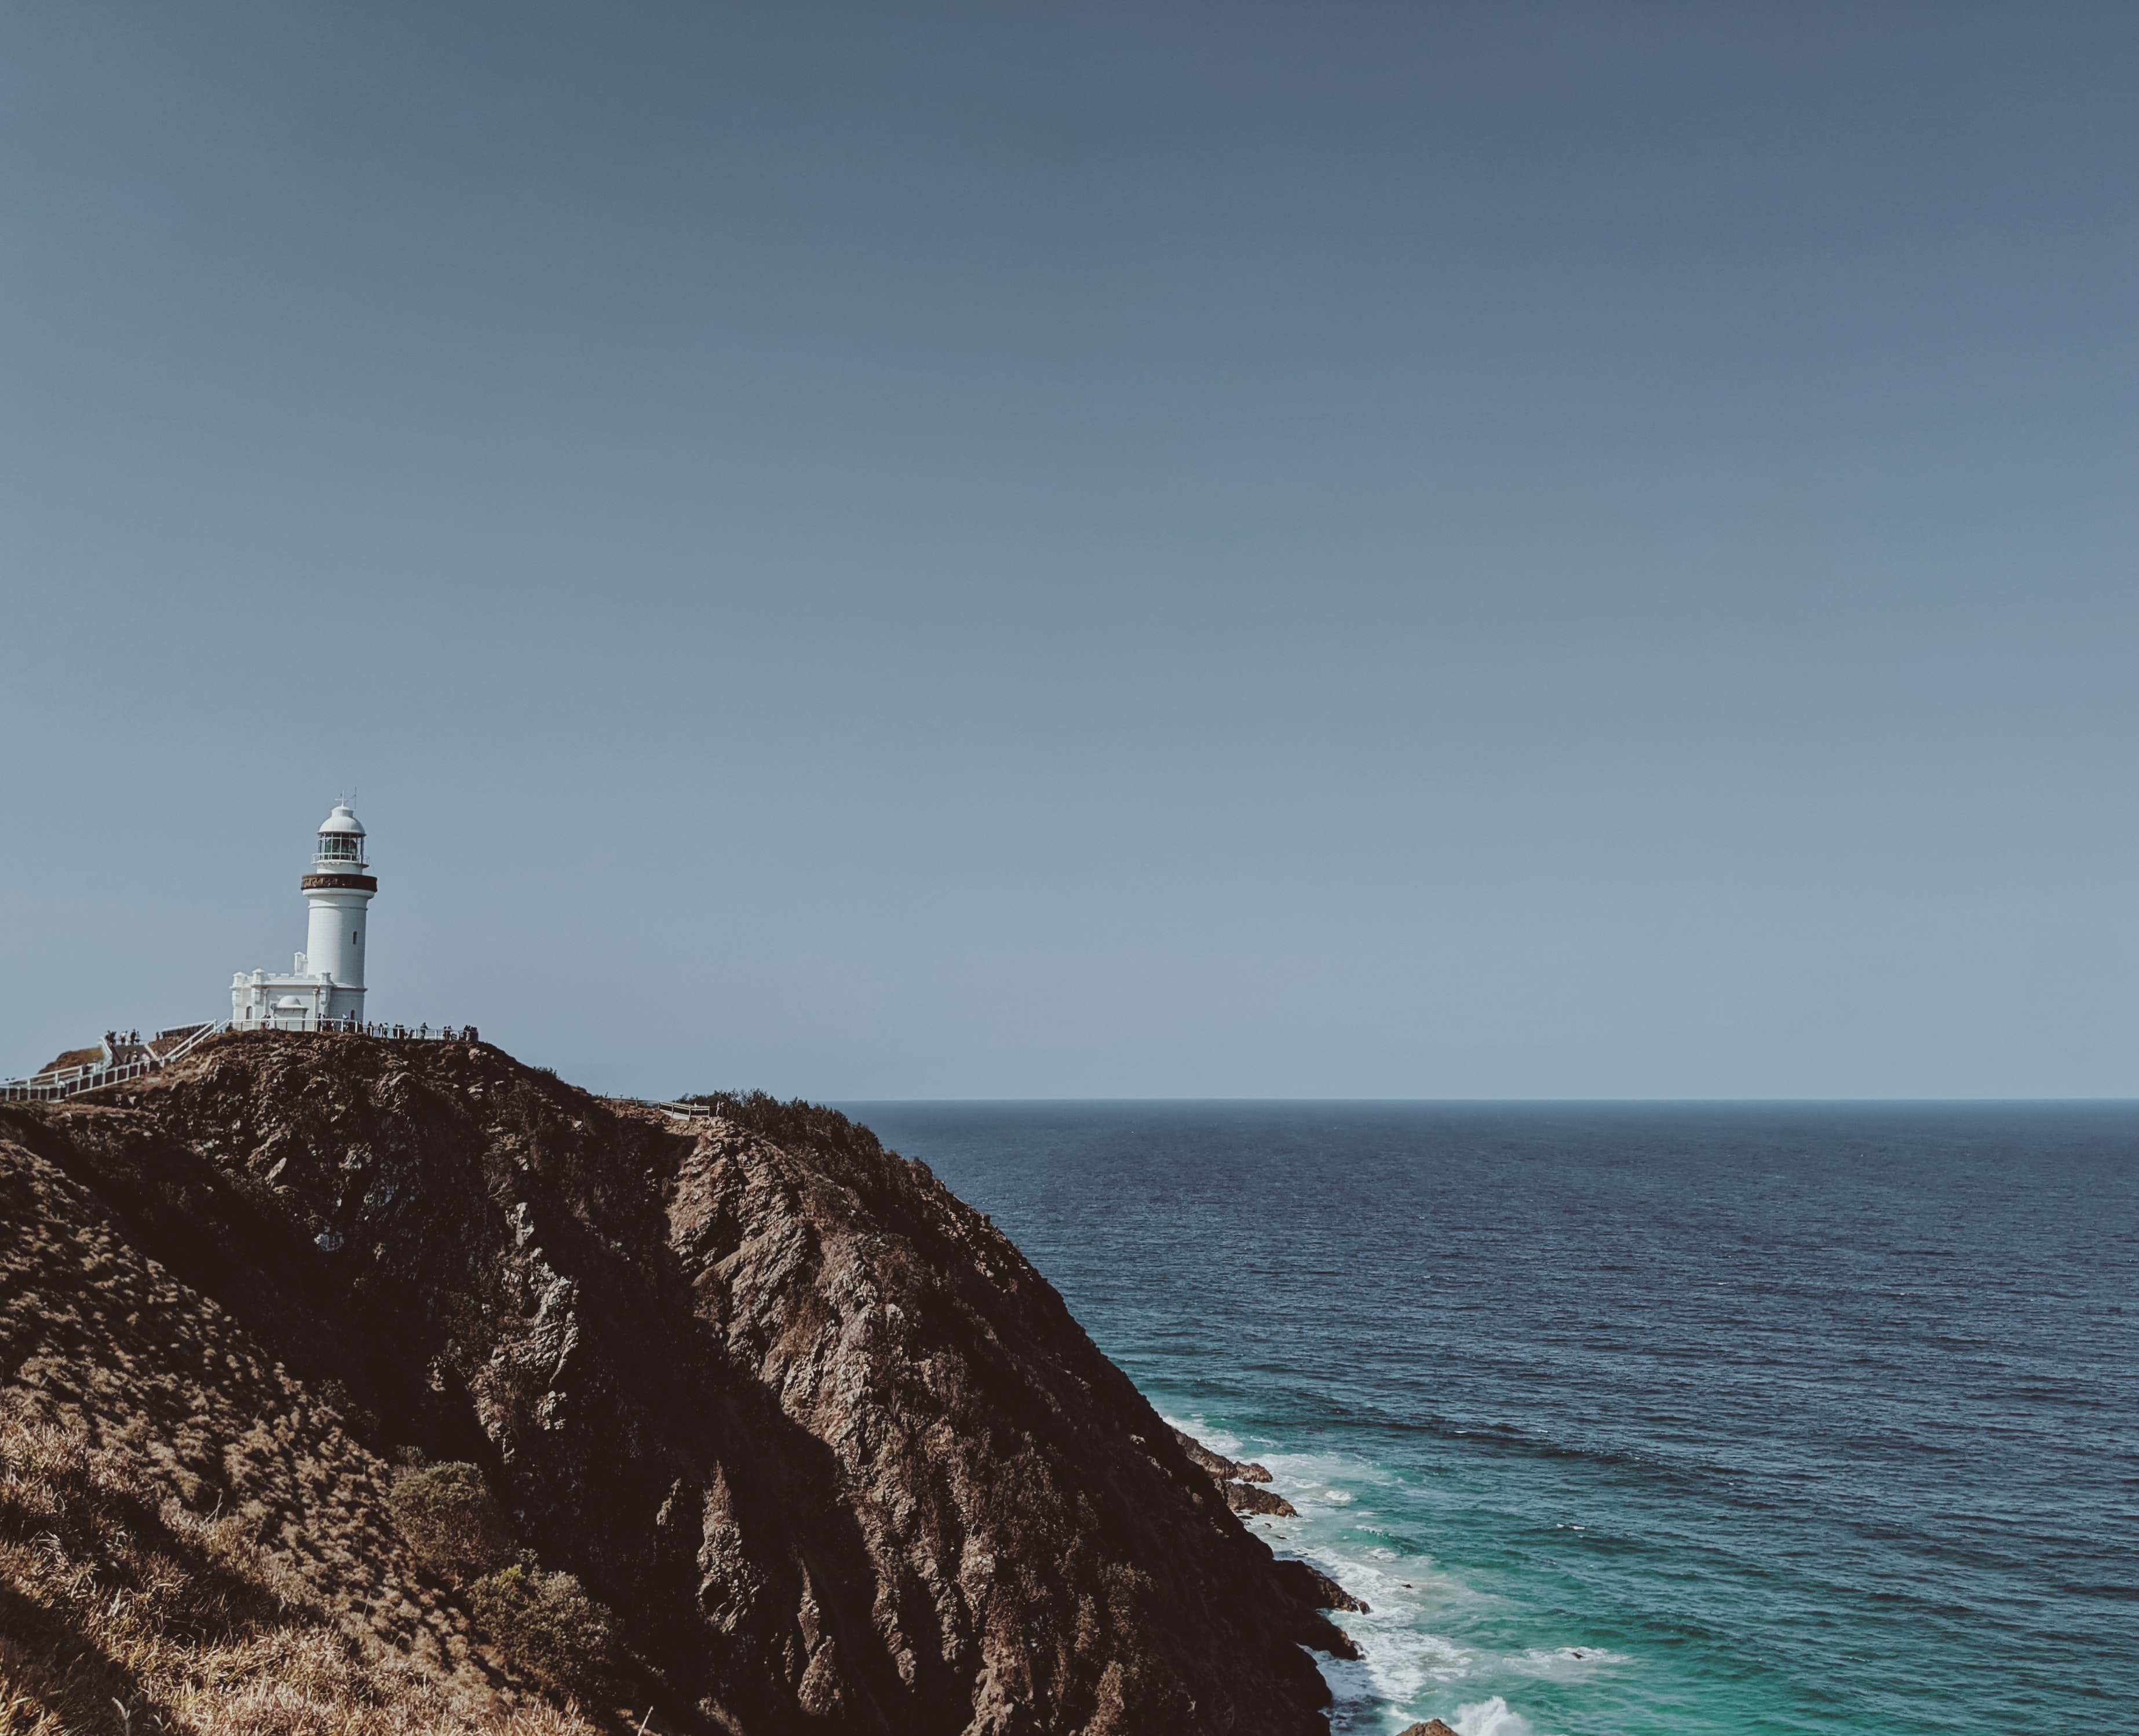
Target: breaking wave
x=1420, y=1653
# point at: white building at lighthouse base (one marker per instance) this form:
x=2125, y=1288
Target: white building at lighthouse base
x=301, y=1001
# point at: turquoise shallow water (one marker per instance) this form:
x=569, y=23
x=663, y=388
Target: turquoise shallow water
x=1638, y=1418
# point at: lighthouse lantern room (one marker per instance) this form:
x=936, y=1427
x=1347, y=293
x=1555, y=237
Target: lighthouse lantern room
x=325, y=989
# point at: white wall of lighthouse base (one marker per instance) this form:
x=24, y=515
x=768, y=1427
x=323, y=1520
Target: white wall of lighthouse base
x=302, y=1000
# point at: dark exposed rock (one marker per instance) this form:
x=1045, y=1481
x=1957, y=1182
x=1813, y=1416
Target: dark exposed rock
x=1247, y=1497
x=1311, y=1585
x=1221, y=1468
x=1235, y=1479
x=839, y=1458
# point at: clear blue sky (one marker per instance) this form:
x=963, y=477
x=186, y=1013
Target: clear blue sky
x=1484, y=550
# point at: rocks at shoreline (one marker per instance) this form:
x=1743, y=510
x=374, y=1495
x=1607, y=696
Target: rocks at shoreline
x=1432, y=1727
x=1237, y=1480
x=1247, y=1497
x=1221, y=1467
x=1312, y=1585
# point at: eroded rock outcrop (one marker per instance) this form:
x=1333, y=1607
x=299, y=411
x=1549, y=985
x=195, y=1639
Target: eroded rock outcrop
x=1246, y=1497
x=1236, y=1482
x=1222, y=1469
x=838, y=1456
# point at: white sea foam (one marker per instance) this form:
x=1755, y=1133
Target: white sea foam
x=1567, y=1662
x=1490, y=1718
x=1216, y=1440
x=1412, y=1662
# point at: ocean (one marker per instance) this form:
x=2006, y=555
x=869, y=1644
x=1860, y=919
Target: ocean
x=1641, y=1420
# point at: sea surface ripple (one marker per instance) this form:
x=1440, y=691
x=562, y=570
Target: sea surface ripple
x=1637, y=1418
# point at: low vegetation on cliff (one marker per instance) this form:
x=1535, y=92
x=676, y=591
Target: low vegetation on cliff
x=190, y=1540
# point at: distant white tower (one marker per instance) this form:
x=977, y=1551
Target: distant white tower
x=327, y=983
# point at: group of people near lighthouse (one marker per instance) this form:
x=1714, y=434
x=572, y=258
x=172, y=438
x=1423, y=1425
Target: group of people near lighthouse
x=353, y=1027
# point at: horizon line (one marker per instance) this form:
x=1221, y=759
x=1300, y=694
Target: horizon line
x=1503, y=1102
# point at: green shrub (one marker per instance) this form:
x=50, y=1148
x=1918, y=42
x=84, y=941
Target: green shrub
x=547, y=1628
x=448, y=1517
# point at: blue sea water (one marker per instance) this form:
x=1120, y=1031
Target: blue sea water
x=1637, y=1418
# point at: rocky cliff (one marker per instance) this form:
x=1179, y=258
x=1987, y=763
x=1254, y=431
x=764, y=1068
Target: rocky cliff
x=837, y=1457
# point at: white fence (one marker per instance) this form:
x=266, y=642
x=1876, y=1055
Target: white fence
x=71, y=1081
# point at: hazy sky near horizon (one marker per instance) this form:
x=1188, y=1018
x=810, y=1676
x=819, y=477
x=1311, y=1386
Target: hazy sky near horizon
x=1484, y=550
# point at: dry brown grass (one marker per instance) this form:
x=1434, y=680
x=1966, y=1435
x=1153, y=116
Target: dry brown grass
x=121, y=1610
x=190, y=1540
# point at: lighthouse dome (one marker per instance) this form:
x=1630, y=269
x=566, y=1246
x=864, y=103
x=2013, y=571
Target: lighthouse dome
x=341, y=839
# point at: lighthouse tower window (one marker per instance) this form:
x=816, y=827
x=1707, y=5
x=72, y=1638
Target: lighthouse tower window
x=337, y=846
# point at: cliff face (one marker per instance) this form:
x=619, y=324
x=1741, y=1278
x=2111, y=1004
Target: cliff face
x=833, y=1451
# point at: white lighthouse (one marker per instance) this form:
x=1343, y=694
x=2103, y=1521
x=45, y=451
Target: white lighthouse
x=326, y=986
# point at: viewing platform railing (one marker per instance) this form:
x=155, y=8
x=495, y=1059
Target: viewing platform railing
x=392, y=1033
x=90, y=1075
